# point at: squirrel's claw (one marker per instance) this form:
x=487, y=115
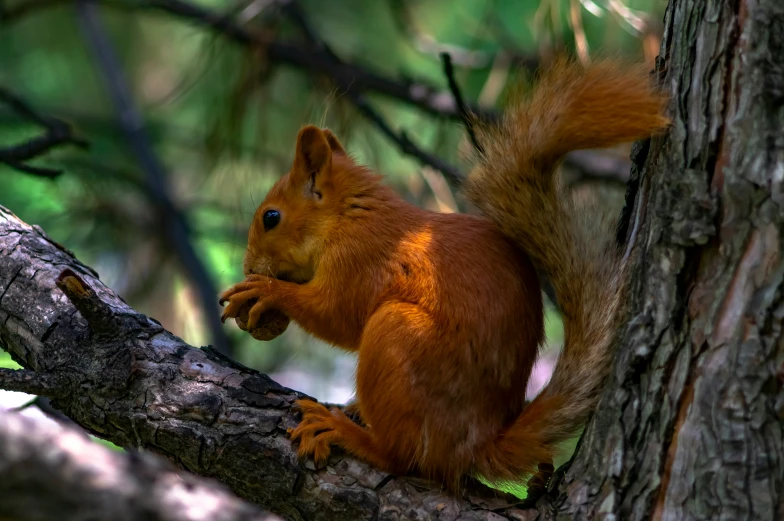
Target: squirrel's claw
x=255, y=313
x=252, y=282
x=315, y=432
x=240, y=295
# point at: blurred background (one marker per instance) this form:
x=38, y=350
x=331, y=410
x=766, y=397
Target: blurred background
x=142, y=134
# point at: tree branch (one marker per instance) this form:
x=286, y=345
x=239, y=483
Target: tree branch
x=402, y=140
x=428, y=98
x=54, y=472
x=30, y=382
x=351, y=77
x=57, y=133
x=465, y=115
x=136, y=384
x=405, y=144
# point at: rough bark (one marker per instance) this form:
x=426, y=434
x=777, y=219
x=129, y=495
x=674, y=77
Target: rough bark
x=53, y=472
x=690, y=426
x=122, y=377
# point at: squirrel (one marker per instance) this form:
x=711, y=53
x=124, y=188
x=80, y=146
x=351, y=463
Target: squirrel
x=445, y=311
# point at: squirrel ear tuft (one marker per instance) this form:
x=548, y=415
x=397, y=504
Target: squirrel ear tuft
x=334, y=144
x=314, y=153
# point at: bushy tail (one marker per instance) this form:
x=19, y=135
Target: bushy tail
x=571, y=107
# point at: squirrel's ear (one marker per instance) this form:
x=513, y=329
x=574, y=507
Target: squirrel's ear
x=314, y=154
x=334, y=144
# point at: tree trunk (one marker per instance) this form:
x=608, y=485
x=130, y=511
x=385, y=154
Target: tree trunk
x=690, y=426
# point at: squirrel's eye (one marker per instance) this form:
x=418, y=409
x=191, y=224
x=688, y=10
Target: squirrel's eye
x=271, y=219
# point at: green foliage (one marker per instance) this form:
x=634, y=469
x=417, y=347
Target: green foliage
x=6, y=362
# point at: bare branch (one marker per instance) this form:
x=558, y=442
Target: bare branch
x=405, y=144
x=465, y=115
x=401, y=140
x=30, y=382
x=39, y=171
x=58, y=133
x=351, y=78
x=426, y=97
x=51, y=471
x=143, y=387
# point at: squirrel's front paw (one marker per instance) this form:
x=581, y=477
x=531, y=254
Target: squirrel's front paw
x=249, y=303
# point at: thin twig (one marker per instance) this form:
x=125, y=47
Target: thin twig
x=351, y=77
x=58, y=133
x=44, y=404
x=31, y=382
x=175, y=229
x=454, y=176
x=465, y=115
x=426, y=97
x=40, y=171
x=402, y=140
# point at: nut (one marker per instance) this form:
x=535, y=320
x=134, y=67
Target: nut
x=271, y=324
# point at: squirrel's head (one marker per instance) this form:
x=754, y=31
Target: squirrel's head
x=290, y=227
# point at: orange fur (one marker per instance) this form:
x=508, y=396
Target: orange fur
x=445, y=310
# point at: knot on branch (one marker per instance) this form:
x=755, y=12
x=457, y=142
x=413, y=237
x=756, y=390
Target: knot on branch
x=109, y=352
x=99, y=315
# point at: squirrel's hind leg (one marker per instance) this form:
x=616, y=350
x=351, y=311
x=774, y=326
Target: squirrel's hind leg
x=320, y=428
x=395, y=439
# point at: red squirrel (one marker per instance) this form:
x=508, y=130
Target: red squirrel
x=445, y=310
